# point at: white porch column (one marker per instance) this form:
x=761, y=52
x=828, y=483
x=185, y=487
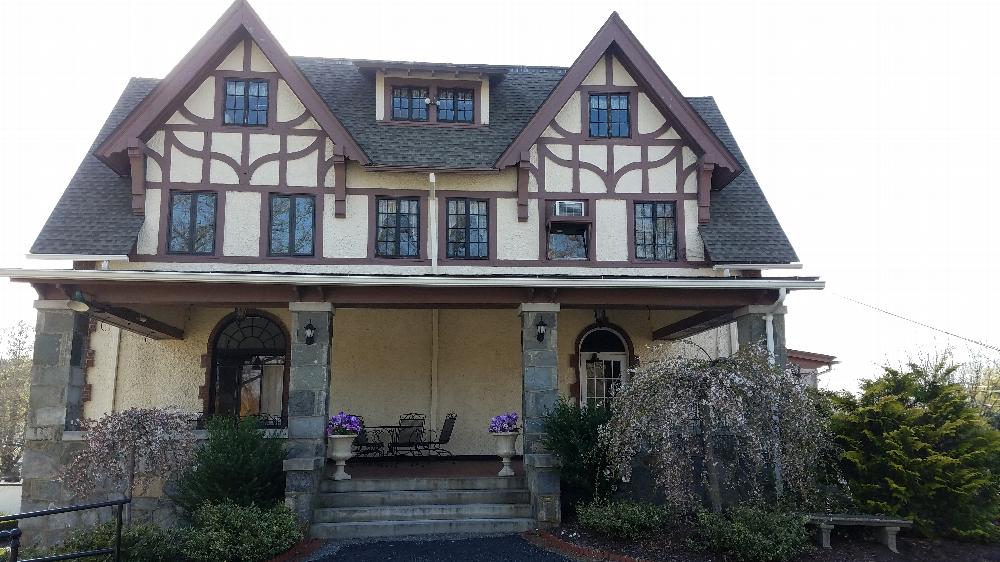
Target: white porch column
x=763, y=324
x=308, y=401
x=540, y=391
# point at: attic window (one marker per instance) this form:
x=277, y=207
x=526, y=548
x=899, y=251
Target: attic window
x=409, y=103
x=246, y=103
x=609, y=116
x=455, y=106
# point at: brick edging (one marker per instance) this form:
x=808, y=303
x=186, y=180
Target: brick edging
x=546, y=538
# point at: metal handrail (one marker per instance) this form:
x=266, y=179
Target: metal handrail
x=12, y=538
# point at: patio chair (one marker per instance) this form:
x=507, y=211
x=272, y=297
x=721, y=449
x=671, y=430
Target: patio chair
x=409, y=435
x=368, y=443
x=436, y=446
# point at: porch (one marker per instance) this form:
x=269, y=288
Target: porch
x=325, y=344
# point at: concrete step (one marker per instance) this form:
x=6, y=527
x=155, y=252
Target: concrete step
x=422, y=497
x=418, y=527
x=396, y=484
x=422, y=512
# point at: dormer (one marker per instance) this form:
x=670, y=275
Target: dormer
x=429, y=94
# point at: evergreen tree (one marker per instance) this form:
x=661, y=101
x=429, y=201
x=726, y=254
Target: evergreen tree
x=916, y=447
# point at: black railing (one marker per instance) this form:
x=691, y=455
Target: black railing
x=11, y=538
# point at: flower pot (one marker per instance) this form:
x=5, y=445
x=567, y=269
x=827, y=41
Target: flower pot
x=339, y=449
x=505, y=450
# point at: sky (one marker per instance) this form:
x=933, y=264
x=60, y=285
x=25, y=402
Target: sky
x=871, y=126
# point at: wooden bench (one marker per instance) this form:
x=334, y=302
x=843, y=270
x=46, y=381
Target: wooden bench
x=887, y=532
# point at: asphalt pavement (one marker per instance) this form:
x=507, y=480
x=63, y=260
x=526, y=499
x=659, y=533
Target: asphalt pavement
x=505, y=548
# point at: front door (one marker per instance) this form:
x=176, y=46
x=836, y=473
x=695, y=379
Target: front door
x=601, y=374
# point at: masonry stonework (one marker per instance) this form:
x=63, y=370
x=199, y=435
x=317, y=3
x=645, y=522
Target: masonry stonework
x=540, y=364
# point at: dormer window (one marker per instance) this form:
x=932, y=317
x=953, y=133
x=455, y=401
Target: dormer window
x=455, y=106
x=409, y=103
x=609, y=115
x=246, y=103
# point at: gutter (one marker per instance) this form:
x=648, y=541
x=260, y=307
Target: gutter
x=17, y=274
x=77, y=257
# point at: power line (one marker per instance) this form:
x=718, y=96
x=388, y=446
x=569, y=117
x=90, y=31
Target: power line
x=918, y=323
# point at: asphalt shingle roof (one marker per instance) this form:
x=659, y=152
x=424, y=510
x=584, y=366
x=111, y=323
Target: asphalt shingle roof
x=94, y=215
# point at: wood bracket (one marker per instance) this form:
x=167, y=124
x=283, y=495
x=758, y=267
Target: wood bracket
x=705, y=171
x=523, y=169
x=137, y=165
x=339, y=182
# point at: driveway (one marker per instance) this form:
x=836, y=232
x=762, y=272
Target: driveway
x=505, y=548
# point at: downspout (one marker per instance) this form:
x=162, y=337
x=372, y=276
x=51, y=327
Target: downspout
x=769, y=322
x=432, y=221
x=435, y=338
x=118, y=359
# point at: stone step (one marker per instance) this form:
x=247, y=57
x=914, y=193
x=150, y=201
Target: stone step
x=422, y=497
x=397, y=484
x=418, y=527
x=423, y=512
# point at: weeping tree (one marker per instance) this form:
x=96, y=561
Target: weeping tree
x=129, y=452
x=673, y=411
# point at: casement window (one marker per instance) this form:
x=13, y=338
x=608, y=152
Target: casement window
x=246, y=103
x=409, y=103
x=655, y=231
x=192, y=223
x=568, y=228
x=468, y=229
x=293, y=225
x=609, y=115
x=455, y=106
x=397, y=227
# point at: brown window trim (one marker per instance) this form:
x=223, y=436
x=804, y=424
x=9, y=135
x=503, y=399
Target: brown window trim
x=680, y=239
x=633, y=247
x=421, y=198
x=272, y=101
x=165, y=225
x=432, y=90
x=587, y=219
x=270, y=229
x=633, y=112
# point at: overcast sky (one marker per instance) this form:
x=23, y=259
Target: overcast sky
x=872, y=126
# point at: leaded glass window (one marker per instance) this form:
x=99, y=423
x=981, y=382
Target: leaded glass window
x=468, y=229
x=246, y=103
x=293, y=222
x=609, y=115
x=409, y=103
x=397, y=230
x=655, y=231
x=455, y=106
x=192, y=223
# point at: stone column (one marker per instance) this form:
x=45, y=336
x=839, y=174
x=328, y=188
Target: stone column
x=308, y=400
x=751, y=328
x=540, y=361
x=55, y=398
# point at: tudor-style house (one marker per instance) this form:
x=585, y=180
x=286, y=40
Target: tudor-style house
x=258, y=234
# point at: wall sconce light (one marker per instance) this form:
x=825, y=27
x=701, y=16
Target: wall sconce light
x=540, y=328
x=310, y=332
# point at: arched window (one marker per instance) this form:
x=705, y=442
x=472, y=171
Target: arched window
x=249, y=371
x=604, y=361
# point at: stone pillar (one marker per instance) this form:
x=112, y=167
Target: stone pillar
x=751, y=328
x=308, y=400
x=540, y=362
x=55, y=399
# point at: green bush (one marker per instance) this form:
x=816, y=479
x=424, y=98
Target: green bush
x=915, y=447
x=624, y=520
x=233, y=533
x=571, y=433
x=237, y=464
x=140, y=543
x=752, y=533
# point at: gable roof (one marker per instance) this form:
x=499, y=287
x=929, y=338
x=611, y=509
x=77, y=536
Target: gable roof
x=239, y=21
x=615, y=35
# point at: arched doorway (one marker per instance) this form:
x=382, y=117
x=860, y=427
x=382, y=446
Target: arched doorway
x=249, y=368
x=604, y=354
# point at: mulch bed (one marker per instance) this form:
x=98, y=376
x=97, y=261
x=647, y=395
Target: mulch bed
x=849, y=546
x=300, y=551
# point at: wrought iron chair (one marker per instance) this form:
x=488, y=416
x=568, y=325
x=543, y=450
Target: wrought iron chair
x=436, y=446
x=409, y=435
x=368, y=444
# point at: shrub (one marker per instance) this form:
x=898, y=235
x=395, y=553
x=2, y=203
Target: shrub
x=752, y=533
x=571, y=433
x=140, y=543
x=227, y=531
x=237, y=464
x=623, y=520
x=915, y=447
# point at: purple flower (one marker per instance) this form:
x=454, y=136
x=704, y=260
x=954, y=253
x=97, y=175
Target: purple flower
x=504, y=423
x=343, y=424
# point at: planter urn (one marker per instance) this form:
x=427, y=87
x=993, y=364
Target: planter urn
x=505, y=450
x=339, y=450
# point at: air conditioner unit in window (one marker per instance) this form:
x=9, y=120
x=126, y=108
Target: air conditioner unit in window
x=569, y=209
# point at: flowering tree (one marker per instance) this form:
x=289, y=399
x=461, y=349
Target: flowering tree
x=127, y=451
x=675, y=409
